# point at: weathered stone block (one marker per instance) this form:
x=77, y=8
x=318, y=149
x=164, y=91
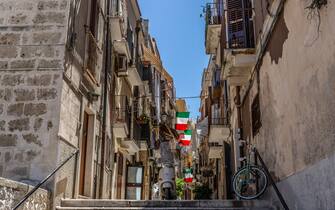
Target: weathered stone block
x=3, y=64
x=19, y=171
x=8, y=156
x=8, y=140
x=36, y=52
x=56, y=79
x=19, y=124
x=22, y=64
x=9, y=39
x=32, y=138
x=50, y=18
x=24, y=95
x=46, y=94
x=6, y=94
x=18, y=156
x=2, y=125
x=15, y=109
x=57, y=64
x=38, y=124
x=63, y=4
x=19, y=18
x=35, y=109
x=47, y=38
x=47, y=5
x=1, y=109
x=39, y=80
x=31, y=154
x=12, y=80
x=8, y=52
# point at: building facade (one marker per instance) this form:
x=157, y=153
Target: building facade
x=277, y=83
x=86, y=76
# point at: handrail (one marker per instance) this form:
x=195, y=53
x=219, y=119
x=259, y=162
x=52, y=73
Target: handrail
x=272, y=182
x=43, y=181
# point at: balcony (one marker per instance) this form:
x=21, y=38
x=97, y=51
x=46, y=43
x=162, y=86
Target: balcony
x=215, y=150
x=213, y=15
x=240, y=46
x=142, y=135
x=92, y=64
x=117, y=21
x=133, y=76
x=121, y=47
x=218, y=130
x=121, y=117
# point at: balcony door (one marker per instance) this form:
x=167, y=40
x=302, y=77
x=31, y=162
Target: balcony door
x=240, y=24
x=134, y=186
x=86, y=156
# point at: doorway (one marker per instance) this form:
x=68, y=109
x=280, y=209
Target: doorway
x=86, y=155
x=83, y=152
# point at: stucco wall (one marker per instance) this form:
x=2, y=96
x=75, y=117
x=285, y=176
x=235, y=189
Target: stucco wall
x=297, y=83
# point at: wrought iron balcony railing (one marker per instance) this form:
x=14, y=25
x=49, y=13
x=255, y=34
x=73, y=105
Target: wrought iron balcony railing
x=213, y=13
x=218, y=121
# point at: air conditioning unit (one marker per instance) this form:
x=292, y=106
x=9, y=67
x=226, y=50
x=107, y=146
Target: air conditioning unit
x=121, y=66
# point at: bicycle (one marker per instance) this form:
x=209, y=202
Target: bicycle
x=250, y=181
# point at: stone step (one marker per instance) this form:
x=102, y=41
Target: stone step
x=162, y=208
x=88, y=204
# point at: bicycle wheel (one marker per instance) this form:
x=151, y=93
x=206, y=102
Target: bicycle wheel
x=250, y=182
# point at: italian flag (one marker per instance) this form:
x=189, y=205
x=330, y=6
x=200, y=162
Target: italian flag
x=188, y=176
x=185, y=138
x=182, y=120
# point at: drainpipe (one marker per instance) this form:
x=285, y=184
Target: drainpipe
x=239, y=149
x=105, y=92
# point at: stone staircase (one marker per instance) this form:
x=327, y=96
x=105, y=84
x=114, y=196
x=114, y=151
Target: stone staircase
x=84, y=204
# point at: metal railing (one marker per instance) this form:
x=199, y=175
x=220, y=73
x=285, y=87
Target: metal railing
x=218, y=121
x=24, y=199
x=213, y=13
x=271, y=181
x=93, y=52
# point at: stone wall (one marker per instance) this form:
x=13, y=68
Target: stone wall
x=12, y=192
x=32, y=46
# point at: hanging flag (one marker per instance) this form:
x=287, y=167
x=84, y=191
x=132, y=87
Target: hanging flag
x=182, y=120
x=188, y=174
x=185, y=138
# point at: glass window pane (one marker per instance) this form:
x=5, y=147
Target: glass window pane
x=134, y=175
x=134, y=193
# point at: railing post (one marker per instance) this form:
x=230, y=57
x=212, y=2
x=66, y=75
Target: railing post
x=272, y=182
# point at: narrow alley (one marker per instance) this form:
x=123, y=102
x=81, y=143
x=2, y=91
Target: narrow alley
x=167, y=104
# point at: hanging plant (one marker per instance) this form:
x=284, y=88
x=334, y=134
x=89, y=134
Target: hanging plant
x=314, y=10
x=143, y=119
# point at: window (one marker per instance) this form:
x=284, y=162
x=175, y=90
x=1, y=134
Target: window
x=256, y=115
x=134, y=182
x=93, y=17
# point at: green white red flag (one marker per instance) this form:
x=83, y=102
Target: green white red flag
x=185, y=138
x=182, y=120
x=188, y=174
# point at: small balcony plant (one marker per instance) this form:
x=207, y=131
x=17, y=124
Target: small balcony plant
x=142, y=119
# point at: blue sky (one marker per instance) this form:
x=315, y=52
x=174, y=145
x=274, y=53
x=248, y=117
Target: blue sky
x=179, y=31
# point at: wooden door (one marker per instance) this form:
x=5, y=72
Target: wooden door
x=83, y=154
x=119, y=175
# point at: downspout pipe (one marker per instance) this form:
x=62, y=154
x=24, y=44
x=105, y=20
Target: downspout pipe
x=105, y=97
